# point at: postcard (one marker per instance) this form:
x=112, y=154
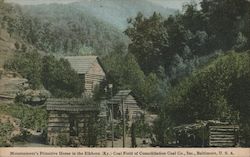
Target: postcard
x=124, y=78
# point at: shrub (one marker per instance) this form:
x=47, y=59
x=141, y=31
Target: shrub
x=62, y=140
x=5, y=132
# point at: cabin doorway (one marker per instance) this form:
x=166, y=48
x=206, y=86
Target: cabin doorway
x=73, y=125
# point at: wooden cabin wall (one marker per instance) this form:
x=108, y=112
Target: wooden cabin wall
x=82, y=78
x=58, y=123
x=93, y=77
x=132, y=106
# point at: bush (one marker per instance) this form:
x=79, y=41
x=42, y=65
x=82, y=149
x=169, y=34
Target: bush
x=62, y=140
x=142, y=129
x=31, y=118
x=5, y=132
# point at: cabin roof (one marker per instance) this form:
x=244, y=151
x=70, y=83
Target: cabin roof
x=70, y=105
x=82, y=64
x=122, y=94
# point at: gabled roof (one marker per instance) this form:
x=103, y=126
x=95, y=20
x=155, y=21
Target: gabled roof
x=82, y=64
x=122, y=94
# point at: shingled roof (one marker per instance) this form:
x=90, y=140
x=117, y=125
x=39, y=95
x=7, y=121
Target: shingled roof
x=70, y=105
x=122, y=94
x=82, y=64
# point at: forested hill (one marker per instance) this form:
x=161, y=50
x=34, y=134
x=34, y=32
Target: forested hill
x=116, y=12
x=64, y=29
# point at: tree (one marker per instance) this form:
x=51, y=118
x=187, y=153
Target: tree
x=29, y=65
x=124, y=72
x=59, y=78
x=218, y=91
x=225, y=17
x=206, y=94
x=149, y=41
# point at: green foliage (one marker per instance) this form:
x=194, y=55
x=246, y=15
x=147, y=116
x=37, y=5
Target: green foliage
x=218, y=91
x=204, y=94
x=5, y=132
x=149, y=41
x=55, y=75
x=162, y=129
x=33, y=118
x=125, y=73
x=78, y=31
x=142, y=129
x=59, y=78
x=29, y=65
x=177, y=42
x=62, y=140
x=225, y=19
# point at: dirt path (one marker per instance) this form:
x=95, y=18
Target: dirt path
x=119, y=142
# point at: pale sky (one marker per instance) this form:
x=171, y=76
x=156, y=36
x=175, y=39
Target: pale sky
x=175, y=4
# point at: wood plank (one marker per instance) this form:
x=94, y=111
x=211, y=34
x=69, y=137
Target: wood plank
x=58, y=125
x=224, y=133
x=222, y=129
x=225, y=126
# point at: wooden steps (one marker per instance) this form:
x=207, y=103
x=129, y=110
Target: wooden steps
x=223, y=136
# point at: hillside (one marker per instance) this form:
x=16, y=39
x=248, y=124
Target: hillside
x=79, y=32
x=116, y=12
x=7, y=46
x=89, y=27
x=185, y=68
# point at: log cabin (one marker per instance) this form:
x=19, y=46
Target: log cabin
x=130, y=105
x=72, y=121
x=90, y=71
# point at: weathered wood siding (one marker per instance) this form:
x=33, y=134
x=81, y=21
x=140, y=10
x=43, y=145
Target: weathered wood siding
x=93, y=77
x=71, y=118
x=89, y=70
x=59, y=123
x=131, y=104
x=223, y=135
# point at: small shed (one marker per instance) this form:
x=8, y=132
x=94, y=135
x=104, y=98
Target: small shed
x=72, y=121
x=209, y=133
x=90, y=71
x=130, y=102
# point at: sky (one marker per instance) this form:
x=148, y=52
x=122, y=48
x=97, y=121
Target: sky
x=175, y=4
